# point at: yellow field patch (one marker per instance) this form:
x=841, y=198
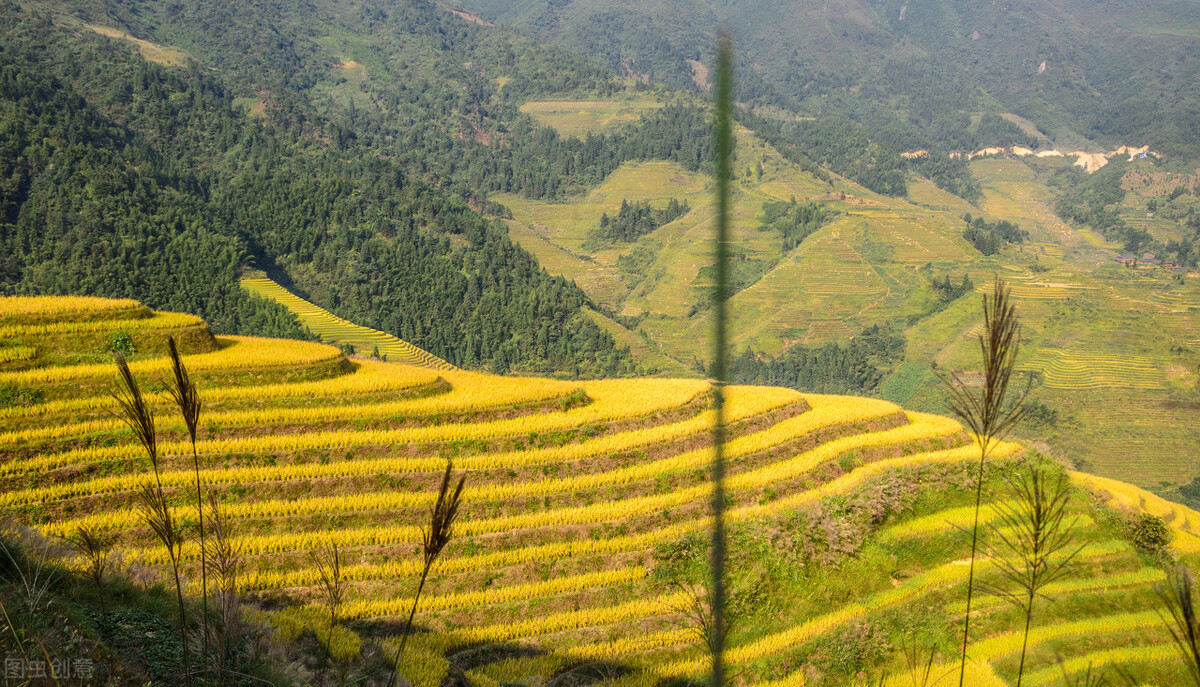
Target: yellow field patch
x=151, y=52
x=581, y=117
x=334, y=329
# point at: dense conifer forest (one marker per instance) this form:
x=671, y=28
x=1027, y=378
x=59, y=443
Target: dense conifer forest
x=130, y=178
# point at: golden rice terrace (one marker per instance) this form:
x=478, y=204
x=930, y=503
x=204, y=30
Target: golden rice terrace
x=581, y=540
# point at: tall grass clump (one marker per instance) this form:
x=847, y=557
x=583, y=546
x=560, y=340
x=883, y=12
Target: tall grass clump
x=1034, y=542
x=724, y=160
x=433, y=541
x=985, y=412
x=1182, y=619
x=155, y=509
x=94, y=547
x=187, y=398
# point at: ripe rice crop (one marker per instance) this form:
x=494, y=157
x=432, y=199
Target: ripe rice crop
x=474, y=396
x=945, y=521
x=754, y=404
x=795, y=636
x=1184, y=522
x=587, y=617
x=624, y=647
x=290, y=623
x=529, y=554
x=160, y=320
x=31, y=309
x=392, y=534
x=11, y=354
x=797, y=679
x=613, y=401
x=788, y=429
x=1078, y=370
x=495, y=595
x=369, y=377
x=557, y=549
x=978, y=674
x=236, y=353
x=306, y=577
x=333, y=328
x=1010, y=642
x=1100, y=659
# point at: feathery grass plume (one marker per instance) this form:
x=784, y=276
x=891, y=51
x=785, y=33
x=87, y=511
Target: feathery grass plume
x=433, y=540
x=724, y=149
x=1033, y=542
x=985, y=411
x=185, y=395
x=95, y=547
x=1178, y=597
x=224, y=561
x=156, y=511
x=133, y=410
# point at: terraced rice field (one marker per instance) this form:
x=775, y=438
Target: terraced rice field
x=1081, y=370
x=575, y=489
x=1182, y=301
x=912, y=238
x=1039, y=289
x=856, y=279
x=334, y=329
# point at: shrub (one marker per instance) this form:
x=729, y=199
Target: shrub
x=121, y=341
x=1148, y=533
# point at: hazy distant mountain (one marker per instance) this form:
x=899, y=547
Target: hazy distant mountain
x=1109, y=71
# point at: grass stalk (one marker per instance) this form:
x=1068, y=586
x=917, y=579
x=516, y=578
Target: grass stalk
x=1182, y=619
x=985, y=412
x=185, y=395
x=433, y=541
x=156, y=511
x=724, y=159
x=1033, y=543
x=328, y=562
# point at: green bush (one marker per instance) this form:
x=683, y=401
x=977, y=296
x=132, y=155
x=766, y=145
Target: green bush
x=1148, y=533
x=121, y=341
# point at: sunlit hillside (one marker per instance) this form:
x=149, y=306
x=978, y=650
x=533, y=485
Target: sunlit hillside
x=582, y=535
x=1093, y=330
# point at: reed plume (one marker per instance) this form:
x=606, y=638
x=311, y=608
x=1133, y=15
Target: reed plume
x=156, y=510
x=433, y=541
x=985, y=412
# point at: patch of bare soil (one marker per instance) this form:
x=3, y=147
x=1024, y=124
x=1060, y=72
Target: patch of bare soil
x=699, y=74
x=471, y=17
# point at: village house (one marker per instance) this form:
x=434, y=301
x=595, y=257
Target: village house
x=1148, y=261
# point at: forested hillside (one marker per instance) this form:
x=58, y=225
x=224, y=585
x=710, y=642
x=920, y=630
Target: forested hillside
x=917, y=74
x=342, y=150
